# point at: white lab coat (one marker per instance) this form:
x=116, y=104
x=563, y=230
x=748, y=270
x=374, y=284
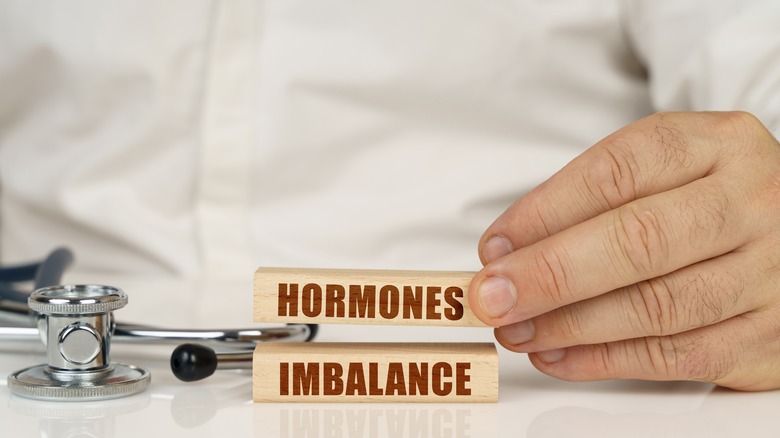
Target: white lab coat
x=196, y=137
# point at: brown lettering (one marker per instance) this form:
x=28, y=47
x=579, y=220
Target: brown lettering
x=418, y=378
x=389, y=301
x=284, y=378
x=461, y=378
x=373, y=379
x=362, y=302
x=356, y=379
x=334, y=300
x=432, y=303
x=413, y=302
x=438, y=372
x=451, y=297
x=287, y=301
x=396, y=383
x=306, y=378
x=331, y=378
x=311, y=305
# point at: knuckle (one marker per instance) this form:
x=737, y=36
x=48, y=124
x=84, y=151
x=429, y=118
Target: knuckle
x=678, y=357
x=638, y=240
x=654, y=308
x=757, y=145
x=541, y=223
x=707, y=213
x=552, y=276
x=568, y=322
x=662, y=356
x=656, y=357
x=648, y=357
x=698, y=359
x=710, y=297
x=604, y=359
x=611, y=181
x=737, y=124
x=668, y=142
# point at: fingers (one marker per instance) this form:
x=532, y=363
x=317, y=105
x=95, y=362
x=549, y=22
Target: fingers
x=652, y=256
x=708, y=335
x=644, y=239
x=650, y=156
x=706, y=293
x=737, y=353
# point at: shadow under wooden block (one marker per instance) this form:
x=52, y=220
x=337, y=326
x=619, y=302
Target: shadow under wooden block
x=375, y=372
x=344, y=296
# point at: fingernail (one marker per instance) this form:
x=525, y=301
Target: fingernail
x=518, y=332
x=497, y=296
x=496, y=247
x=552, y=356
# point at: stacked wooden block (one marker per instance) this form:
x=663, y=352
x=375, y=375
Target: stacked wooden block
x=370, y=372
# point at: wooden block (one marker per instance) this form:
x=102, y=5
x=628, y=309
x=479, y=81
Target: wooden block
x=340, y=296
x=375, y=372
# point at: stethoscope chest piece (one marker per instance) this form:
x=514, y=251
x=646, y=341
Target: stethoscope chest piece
x=76, y=324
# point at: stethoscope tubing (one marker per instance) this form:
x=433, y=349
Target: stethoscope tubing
x=228, y=338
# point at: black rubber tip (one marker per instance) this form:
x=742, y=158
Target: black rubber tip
x=191, y=362
x=313, y=328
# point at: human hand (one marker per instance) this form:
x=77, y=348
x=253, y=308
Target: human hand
x=653, y=255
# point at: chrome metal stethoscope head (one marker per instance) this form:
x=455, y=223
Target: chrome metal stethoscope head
x=76, y=325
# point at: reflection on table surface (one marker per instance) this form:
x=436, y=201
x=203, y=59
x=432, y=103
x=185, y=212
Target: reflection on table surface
x=530, y=403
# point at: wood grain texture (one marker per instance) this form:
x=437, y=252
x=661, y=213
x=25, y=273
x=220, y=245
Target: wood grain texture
x=375, y=372
x=340, y=296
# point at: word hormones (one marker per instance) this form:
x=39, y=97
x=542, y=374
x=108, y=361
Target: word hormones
x=370, y=301
x=363, y=297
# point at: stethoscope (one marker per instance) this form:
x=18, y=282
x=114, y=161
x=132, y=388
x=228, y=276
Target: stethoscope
x=76, y=324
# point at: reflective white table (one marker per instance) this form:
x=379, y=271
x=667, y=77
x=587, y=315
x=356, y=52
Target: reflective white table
x=530, y=403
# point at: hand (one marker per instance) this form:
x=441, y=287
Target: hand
x=653, y=255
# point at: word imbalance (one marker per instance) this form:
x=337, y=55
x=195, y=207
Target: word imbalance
x=363, y=297
x=375, y=372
